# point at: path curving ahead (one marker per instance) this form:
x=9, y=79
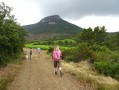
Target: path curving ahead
x=37, y=74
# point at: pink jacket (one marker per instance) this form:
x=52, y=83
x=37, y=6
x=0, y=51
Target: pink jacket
x=57, y=55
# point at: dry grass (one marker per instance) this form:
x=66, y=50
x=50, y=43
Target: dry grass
x=7, y=75
x=87, y=73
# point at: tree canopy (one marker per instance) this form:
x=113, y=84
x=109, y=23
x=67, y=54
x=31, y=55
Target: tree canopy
x=12, y=35
x=98, y=35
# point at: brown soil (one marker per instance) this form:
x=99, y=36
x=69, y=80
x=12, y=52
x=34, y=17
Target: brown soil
x=38, y=74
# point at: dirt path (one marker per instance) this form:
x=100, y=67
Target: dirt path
x=37, y=74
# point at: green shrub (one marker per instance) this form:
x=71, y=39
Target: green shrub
x=115, y=56
x=43, y=47
x=84, y=52
x=50, y=50
x=69, y=54
x=107, y=57
x=99, y=48
x=108, y=68
x=3, y=59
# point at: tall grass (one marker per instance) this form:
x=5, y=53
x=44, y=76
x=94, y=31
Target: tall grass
x=5, y=81
x=9, y=72
x=87, y=74
x=8, y=75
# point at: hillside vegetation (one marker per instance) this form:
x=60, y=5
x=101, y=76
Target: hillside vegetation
x=12, y=36
x=12, y=40
x=95, y=47
x=52, y=26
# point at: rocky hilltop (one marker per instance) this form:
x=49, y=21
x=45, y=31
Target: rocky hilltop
x=52, y=26
x=50, y=19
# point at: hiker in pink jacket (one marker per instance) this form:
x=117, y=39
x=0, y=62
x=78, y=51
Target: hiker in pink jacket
x=57, y=60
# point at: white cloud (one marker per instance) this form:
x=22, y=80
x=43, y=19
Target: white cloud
x=25, y=11
x=111, y=23
x=30, y=11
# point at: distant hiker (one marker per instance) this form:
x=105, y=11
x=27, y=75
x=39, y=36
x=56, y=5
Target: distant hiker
x=38, y=49
x=57, y=60
x=30, y=52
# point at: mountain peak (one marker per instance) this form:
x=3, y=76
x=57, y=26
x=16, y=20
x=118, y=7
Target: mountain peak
x=53, y=24
x=50, y=19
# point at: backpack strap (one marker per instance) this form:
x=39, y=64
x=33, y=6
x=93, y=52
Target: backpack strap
x=56, y=53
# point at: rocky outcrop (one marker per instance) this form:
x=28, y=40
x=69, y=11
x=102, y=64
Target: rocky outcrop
x=50, y=19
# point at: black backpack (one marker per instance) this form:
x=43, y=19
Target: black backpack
x=30, y=51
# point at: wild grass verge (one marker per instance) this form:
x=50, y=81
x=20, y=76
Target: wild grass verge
x=8, y=73
x=86, y=73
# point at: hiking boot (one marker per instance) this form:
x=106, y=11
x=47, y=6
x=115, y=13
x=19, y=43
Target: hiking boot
x=55, y=73
x=61, y=73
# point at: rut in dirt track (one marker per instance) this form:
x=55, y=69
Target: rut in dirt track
x=37, y=74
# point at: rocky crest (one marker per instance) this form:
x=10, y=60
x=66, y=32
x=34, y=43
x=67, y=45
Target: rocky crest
x=52, y=26
x=50, y=19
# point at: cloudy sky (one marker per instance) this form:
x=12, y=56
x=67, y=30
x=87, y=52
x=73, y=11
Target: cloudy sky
x=84, y=13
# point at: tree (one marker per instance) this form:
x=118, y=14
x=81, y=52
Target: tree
x=12, y=35
x=117, y=38
x=98, y=35
x=86, y=36
x=115, y=41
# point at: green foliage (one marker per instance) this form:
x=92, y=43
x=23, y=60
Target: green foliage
x=50, y=50
x=115, y=41
x=12, y=35
x=96, y=47
x=103, y=53
x=108, y=68
x=43, y=47
x=85, y=52
x=3, y=60
x=3, y=84
x=98, y=35
x=105, y=60
x=66, y=42
x=42, y=43
x=101, y=49
x=86, y=36
x=69, y=54
x=61, y=42
x=81, y=52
